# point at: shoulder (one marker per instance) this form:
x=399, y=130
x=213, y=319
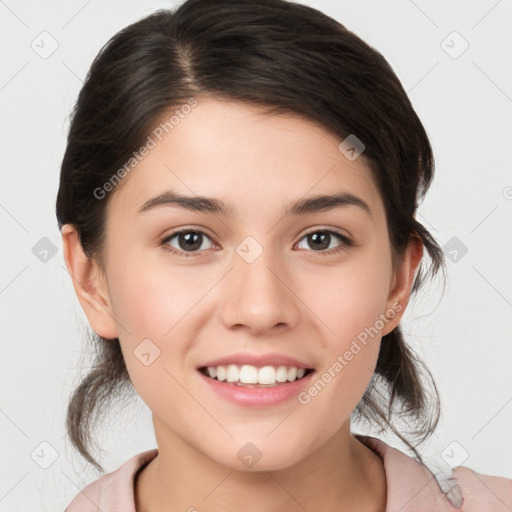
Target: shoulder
x=412, y=487
x=483, y=492
x=113, y=491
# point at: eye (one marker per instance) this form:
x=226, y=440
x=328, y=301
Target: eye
x=188, y=241
x=321, y=240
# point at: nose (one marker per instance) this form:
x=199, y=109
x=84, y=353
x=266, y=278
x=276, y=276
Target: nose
x=259, y=295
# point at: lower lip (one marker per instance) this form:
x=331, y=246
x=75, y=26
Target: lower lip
x=258, y=397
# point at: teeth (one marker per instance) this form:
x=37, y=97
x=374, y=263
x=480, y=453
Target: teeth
x=248, y=374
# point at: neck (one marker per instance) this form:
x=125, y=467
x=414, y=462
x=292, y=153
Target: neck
x=343, y=475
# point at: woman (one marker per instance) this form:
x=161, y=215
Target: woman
x=237, y=205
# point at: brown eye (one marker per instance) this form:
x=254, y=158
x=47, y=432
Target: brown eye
x=321, y=240
x=187, y=241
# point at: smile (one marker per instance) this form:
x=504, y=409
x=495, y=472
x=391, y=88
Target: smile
x=252, y=376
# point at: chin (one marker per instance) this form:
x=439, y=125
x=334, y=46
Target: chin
x=257, y=456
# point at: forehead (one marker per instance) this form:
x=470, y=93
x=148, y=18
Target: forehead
x=248, y=159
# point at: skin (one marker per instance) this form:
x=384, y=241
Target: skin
x=293, y=299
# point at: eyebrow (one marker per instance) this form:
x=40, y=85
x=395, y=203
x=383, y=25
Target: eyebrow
x=318, y=203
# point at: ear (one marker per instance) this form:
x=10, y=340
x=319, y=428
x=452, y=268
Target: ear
x=403, y=280
x=89, y=283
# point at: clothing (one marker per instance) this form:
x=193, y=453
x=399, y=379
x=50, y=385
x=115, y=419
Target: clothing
x=411, y=486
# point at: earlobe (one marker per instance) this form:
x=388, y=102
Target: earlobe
x=402, y=282
x=89, y=284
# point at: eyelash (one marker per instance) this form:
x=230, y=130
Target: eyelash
x=345, y=241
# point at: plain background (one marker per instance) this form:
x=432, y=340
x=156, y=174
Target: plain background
x=464, y=100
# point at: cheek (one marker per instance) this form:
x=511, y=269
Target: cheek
x=336, y=392
x=150, y=298
x=351, y=326
x=155, y=303
x=348, y=301
x=350, y=298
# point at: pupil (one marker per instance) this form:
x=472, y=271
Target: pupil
x=316, y=237
x=191, y=240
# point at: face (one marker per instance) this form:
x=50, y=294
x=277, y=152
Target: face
x=253, y=279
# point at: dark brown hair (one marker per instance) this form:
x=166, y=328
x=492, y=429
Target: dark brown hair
x=283, y=56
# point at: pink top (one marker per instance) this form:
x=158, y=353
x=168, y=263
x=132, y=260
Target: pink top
x=411, y=486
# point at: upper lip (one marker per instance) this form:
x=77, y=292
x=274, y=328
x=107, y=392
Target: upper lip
x=272, y=359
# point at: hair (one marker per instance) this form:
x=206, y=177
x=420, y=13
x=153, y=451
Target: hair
x=287, y=58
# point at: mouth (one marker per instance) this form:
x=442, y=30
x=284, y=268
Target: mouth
x=253, y=376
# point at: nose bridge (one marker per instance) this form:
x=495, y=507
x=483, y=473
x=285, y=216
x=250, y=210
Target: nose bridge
x=257, y=294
